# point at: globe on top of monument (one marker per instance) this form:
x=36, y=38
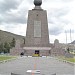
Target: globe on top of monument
x=56, y=41
x=37, y=2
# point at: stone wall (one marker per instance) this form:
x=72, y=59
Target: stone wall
x=57, y=52
x=17, y=49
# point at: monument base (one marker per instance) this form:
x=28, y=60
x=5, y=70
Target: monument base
x=37, y=51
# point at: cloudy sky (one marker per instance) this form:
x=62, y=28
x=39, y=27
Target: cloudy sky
x=61, y=16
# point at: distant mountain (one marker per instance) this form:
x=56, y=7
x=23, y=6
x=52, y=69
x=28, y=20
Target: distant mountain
x=73, y=42
x=7, y=37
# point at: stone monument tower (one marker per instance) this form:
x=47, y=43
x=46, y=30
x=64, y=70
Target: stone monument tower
x=37, y=36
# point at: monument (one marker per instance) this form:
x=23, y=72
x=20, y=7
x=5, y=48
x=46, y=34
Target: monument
x=37, y=35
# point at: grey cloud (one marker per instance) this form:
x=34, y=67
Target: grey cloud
x=7, y=16
x=6, y=5
x=55, y=31
x=57, y=23
x=66, y=22
x=67, y=0
x=70, y=31
x=30, y=1
x=54, y=17
x=14, y=18
x=61, y=12
x=57, y=14
x=59, y=0
x=0, y=17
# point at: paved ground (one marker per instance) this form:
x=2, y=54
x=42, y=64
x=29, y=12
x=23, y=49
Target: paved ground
x=47, y=66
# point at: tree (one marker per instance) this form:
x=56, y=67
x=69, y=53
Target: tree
x=12, y=44
x=1, y=47
x=24, y=40
x=68, y=50
x=6, y=47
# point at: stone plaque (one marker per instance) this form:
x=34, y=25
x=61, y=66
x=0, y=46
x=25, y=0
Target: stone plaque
x=33, y=71
x=37, y=28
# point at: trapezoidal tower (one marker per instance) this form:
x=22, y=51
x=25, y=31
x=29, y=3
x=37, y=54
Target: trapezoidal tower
x=37, y=36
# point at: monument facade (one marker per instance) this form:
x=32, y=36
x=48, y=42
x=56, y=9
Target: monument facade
x=37, y=35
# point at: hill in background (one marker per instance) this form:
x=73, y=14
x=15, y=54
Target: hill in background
x=7, y=37
x=73, y=42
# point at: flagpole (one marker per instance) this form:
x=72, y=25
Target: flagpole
x=70, y=36
x=66, y=36
x=66, y=40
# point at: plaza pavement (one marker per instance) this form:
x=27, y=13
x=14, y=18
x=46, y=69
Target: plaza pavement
x=46, y=65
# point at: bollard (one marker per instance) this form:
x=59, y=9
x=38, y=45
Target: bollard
x=14, y=74
x=54, y=74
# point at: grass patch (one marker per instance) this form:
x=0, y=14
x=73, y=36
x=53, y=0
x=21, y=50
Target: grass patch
x=67, y=59
x=70, y=59
x=6, y=57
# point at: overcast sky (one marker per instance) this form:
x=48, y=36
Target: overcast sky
x=61, y=17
